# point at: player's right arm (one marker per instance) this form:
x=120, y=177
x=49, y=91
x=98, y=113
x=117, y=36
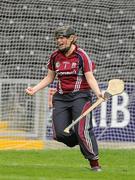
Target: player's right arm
x=42, y=84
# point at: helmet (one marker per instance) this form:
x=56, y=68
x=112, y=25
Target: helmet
x=65, y=31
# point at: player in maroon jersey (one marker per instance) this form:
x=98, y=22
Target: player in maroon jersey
x=73, y=68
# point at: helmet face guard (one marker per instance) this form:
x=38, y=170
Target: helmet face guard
x=65, y=31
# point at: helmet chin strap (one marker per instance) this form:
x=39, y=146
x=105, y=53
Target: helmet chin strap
x=65, y=50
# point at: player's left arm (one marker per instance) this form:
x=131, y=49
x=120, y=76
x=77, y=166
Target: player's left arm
x=93, y=84
x=88, y=72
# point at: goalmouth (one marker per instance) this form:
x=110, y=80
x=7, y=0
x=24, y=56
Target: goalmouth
x=105, y=29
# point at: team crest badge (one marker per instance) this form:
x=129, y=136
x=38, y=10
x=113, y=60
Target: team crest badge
x=57, y=64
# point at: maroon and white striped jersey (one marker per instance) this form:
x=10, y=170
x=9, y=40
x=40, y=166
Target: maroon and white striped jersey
x=70, y=70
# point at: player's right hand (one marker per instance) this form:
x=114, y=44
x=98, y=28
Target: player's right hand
x=30, y=91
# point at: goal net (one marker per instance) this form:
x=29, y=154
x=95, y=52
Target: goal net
x=105, y=29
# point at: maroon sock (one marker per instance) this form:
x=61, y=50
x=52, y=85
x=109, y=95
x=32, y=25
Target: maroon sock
x=94, y=163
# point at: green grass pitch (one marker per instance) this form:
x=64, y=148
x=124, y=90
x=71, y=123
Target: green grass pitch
x=66, y=164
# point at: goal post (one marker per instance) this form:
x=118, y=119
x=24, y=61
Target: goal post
x=106, y=31
x=22, y=117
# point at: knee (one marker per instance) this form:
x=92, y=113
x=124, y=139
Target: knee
x=59, y=137
x=66, y=139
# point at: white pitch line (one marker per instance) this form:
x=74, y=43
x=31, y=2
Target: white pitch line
x=15, y=177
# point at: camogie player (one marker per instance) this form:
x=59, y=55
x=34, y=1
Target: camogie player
x=73, y=69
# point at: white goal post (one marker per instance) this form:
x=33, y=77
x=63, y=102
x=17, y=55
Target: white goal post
x=105, y=29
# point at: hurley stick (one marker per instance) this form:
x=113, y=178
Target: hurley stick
x=115, y=86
